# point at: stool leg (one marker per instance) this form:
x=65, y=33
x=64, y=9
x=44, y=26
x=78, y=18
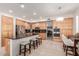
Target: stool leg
x=66, y=50
x=34, y=44
x=41, y=41
x=64, y=47
x=29, y=48
x=20, y=50
x=37, y=43
x=24, y=50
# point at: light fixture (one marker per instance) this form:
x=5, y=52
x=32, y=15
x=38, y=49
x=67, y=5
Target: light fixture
x=22, y=5
x=10, y=11
x=34, y=13
x=60, y=19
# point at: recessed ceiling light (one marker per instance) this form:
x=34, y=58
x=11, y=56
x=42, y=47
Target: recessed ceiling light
x=34, y=13
x=22, y=6
x=10, y=11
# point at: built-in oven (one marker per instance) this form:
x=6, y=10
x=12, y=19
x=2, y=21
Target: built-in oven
x=49, y=33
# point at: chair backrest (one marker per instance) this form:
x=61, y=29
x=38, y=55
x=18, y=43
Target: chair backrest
x=67, y=41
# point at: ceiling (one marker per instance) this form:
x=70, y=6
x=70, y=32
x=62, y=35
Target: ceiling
x=36, y=11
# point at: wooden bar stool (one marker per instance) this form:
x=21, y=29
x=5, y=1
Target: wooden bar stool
x=37, y=43
x=39, y=40
x=23, y=48
x=32, y=44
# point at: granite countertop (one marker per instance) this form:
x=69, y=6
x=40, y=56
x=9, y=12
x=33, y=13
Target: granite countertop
x=22, y=37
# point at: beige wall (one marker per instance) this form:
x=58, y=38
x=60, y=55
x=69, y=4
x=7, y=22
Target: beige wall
x=0, y=31
x=76, y=23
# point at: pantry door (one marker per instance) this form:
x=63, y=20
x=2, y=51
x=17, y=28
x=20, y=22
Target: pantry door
x=7, y=33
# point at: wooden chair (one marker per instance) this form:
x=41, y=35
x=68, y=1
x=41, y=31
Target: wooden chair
x=68, y=45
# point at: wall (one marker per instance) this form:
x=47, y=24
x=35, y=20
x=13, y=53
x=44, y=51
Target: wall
x=76, y=22
x=0, y=31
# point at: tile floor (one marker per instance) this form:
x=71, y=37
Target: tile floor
x=49, y=48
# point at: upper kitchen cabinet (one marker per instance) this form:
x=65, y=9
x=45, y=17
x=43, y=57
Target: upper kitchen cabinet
x=41, y=25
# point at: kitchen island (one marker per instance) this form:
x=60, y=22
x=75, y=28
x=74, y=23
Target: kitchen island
x=14, y=44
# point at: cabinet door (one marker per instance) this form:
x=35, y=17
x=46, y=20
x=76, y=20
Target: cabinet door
x=42, y=25
x=66, y=26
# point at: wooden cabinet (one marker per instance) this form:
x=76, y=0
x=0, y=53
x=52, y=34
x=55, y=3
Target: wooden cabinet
x=43, y=35
x=35, y=25
x=6, y=32
x=66, y=26
x=42, y=26
x=23, y=23
x=27, y=25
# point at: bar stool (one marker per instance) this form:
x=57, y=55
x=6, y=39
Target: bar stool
x=23, y=48
x=37, y=43
x=39, y=40
x=32, y=44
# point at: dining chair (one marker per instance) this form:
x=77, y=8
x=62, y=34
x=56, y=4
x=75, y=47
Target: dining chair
x=68, y=44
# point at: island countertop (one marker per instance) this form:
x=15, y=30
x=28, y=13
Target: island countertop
x=23, y=37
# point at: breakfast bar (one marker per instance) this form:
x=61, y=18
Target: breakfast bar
x=15, y=43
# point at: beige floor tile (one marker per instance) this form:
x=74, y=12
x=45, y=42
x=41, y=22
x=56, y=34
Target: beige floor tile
x=49, y=48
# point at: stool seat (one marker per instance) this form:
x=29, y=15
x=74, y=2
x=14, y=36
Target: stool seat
x=25, y=43
x=34, y=39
